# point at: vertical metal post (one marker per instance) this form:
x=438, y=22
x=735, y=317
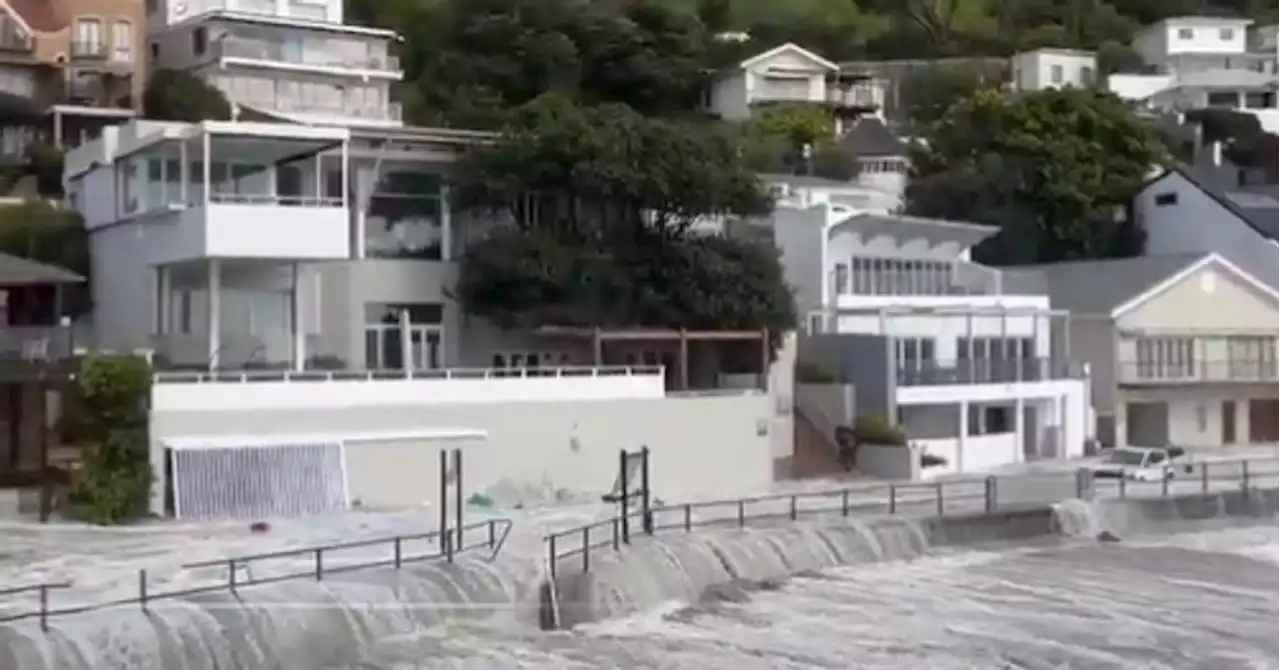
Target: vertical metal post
x=443, y=535
x=614, y=529
x=142, y=588
x=1164, y=483
x=231, y=575
x=458, y=507
x=1124, y=487
x=1244, y=475
x=624, y=495
x=551, y=555
x=893, y=499
x=792, y=511
x=1084, y=484
x=844, y=502
x=688, y=518
x=586, y=548
x=319, y=564
x=941, y=502
x=1204, y=477
x=989, y=494
x=399, y=552
x=742, y=513
x=44, y=608
x=645, y=500
x=493, y=534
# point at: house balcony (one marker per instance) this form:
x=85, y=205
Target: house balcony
x=12, y=41
x=309, y=55
x=1223, y=371
x=239, y=190
x=987, y=371
x=862, y=96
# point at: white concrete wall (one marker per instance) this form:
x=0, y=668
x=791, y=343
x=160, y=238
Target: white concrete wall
x=1138, y=86
x=799, y=237
x=729, y=97
x=172, y=11
x=539, y=449
x=1206, y=38
x=944, y=330
x=886, y=462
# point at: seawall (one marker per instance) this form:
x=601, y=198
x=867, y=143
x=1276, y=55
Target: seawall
x=683, y=568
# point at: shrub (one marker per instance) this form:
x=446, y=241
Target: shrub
x=115, y=479
x=875, y=429
x=810, y=373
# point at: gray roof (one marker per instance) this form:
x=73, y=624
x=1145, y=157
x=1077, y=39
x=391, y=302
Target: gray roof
x=15, y=271
x=1260, y=212
x=1100, y=286
x=870, y=138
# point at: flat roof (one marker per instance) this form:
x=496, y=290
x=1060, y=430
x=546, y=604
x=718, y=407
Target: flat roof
x=903, y=227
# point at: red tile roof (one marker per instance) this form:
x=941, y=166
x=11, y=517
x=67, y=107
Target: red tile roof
x=46, y=16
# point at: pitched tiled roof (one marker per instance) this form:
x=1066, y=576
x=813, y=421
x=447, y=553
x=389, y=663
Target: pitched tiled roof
x=46, y=16
x=870, y=138
x=1100, y=286
x=1255, y=206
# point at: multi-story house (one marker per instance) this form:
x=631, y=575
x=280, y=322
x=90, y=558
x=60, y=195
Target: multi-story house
x=1181, y=348
x=1197, y=61
x=1053, y=68
x=791, y=74
x=67, y=68
x=973, y=365
x=318, y=262
x=293, y=60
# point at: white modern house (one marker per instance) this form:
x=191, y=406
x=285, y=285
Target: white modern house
x=974, y=366
x=294, y=283
x=785, y=74
x=293, y=60
x=1053, y=68
x=1198, y=61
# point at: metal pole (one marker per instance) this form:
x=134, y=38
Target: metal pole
x=645, y=501
x=457, y=497
x=624, y=495
x=444, y=503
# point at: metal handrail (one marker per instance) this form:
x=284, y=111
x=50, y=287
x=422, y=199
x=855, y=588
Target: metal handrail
x=246, y=376
x=589, y=536
x=494, y=539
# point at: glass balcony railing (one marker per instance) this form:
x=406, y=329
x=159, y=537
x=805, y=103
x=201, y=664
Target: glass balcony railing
x=986, y=371
x=319, y=55
x=1226, y=370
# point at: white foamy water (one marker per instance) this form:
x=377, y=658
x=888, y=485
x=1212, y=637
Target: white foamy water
x=1182, y=601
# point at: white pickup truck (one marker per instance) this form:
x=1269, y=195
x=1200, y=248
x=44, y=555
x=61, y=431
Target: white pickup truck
x=1143, y=464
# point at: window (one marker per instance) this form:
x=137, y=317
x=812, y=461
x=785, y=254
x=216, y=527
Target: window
x=1165, y=357
x=1186, y=34
x=406, y=216
x=155, y=51
x=1086, y=76
x=1226, y=34
x=1055, y=74
x=385, y=341
x=1166, y=199
x=88, y=39
x=122, y=42
x=842, y=278
x=1227, y=99
x=199, y=41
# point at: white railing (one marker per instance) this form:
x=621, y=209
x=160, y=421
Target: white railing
x=269, y=199
x=309, y=376
x=240, y=47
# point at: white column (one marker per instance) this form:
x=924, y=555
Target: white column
x=184, y=172
x=1020, y=429
x=206, y=150
x=406, y=343
x=296, y=321
x=962, y=435
x=215, y=310
x=446, y=225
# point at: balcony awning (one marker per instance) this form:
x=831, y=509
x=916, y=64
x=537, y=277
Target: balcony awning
x=17, y=271
x=907, y=228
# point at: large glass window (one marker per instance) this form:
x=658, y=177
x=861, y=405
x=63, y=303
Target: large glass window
x=404, y=219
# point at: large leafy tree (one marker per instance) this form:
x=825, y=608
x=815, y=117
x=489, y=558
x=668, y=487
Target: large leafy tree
x=173, y=95
x=1055, y=170
x=609, y=210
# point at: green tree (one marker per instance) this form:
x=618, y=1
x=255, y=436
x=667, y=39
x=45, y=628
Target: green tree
x=1052, y=169
x=609, y=167
x=605, y=203
x=172, y=95
x=113, y=484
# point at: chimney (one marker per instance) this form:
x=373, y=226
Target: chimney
x=1215, y=154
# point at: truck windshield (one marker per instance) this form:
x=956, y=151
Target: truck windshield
x=1126, y=457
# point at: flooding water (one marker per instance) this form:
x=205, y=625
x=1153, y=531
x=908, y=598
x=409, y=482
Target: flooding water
x=1205, y=597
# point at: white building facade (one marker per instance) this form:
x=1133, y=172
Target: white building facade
x=974, y=367
x=788, y=74
x=1053, y=68
x=294, y=59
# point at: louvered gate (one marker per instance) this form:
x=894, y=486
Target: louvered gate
x=258, y=481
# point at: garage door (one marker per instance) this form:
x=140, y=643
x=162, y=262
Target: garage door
x=1147, y=423
x=1263, y=417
